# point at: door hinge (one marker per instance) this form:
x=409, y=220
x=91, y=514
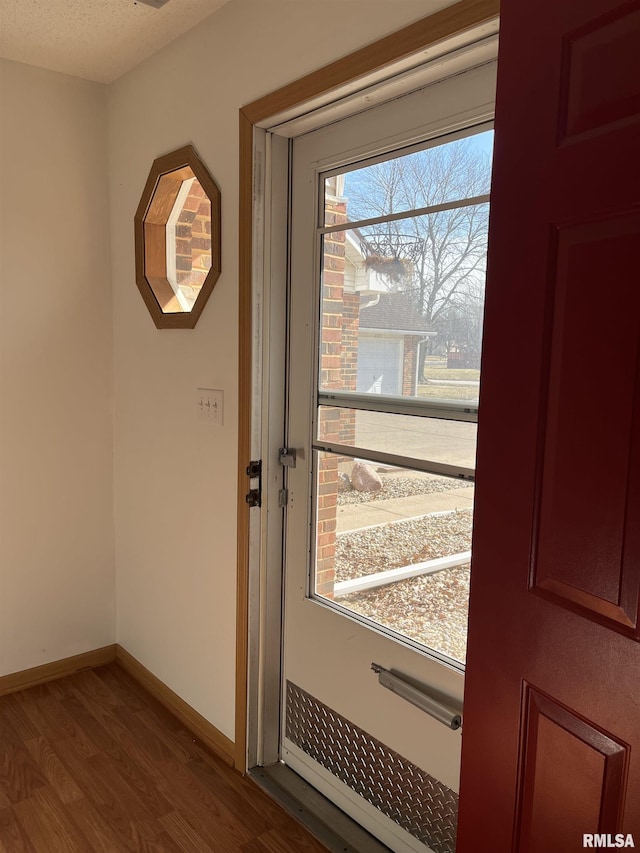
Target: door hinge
x=287, y=457
x=283, y=497
x=254, y=472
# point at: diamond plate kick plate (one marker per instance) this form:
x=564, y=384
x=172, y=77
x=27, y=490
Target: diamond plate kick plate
x=417, y=802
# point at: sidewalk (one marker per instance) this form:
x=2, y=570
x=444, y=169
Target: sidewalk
x=354, y=516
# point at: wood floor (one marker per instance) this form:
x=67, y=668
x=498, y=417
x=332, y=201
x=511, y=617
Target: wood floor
x=93, y=763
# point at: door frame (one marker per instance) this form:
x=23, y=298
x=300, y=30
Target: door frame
x=345, y=79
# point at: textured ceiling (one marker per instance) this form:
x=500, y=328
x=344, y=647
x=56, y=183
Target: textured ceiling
x=95, y=39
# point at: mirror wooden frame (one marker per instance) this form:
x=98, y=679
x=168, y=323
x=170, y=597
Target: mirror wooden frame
x=165, y=180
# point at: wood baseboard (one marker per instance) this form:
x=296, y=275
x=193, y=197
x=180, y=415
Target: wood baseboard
x=188, y=716
x=56, y=669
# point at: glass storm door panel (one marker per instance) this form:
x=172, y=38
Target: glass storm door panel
x=389, y=233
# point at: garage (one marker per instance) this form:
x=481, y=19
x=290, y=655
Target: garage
x=379, y=364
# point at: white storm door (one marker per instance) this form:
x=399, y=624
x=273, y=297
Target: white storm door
x=389, y=212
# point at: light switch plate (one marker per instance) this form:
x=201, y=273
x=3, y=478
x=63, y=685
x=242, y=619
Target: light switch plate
x=210, y=405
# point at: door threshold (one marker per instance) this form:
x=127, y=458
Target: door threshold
x=331, y=826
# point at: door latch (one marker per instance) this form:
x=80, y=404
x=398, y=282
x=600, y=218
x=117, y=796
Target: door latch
x=287, y=457
x=254, y=472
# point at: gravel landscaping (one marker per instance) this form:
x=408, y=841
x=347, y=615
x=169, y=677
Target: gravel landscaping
x=430, y=609
x=401, y=485
x=402, y=543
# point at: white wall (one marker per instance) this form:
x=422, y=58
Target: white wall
x=57, y=584
x=175, y=478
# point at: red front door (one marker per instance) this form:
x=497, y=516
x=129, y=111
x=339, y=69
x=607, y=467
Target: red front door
x=551, y=745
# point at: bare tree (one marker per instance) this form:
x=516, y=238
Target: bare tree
x=459, y=328
x=438, y=258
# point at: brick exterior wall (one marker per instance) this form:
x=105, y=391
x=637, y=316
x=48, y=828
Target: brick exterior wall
x=409, y=365
x=193, y=242
x=338, y=370
x=349, y=365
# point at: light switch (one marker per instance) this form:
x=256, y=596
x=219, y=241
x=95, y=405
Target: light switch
x=210, y=405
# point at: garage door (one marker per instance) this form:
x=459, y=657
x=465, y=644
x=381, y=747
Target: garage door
x=379, y=365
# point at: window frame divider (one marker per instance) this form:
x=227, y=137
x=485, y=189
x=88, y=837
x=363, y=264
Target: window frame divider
x=458, y=472
x=450, y=410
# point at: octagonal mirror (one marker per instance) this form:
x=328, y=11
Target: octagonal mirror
x=177, y=235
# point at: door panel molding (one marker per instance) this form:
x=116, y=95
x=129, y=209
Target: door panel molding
x=593, y=484
x=557, y=746
x=612, y=40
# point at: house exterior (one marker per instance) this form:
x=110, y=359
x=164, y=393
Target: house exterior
x=391, y=332
x=390, y=329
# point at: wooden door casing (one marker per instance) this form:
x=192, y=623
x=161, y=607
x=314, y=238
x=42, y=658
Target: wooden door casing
x=552, y=697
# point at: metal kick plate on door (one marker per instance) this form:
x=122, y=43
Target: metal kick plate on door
x=417, y=802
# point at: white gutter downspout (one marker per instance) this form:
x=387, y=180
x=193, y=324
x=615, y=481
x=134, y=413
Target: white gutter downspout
x=420, y=342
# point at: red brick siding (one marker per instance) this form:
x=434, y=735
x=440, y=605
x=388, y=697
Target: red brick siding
x=338, y=370
x=409, y=365
x=193, y=242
